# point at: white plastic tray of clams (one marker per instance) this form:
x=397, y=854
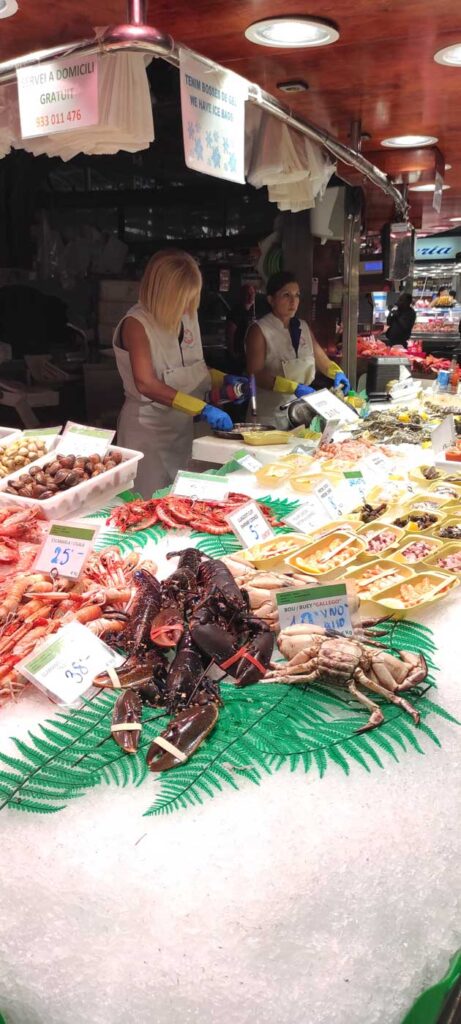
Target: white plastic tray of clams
x=90, y=494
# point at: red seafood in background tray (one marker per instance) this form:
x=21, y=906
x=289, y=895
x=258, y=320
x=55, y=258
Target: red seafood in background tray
x=176, y=513
x=21, y=533
x=350, y=450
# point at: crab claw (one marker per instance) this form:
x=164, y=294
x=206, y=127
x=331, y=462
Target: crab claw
x=183, y=736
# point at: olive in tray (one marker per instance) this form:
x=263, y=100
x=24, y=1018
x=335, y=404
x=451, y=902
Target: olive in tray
x=60, y=474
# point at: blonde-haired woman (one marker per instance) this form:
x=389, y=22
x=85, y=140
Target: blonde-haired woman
x=159, y=356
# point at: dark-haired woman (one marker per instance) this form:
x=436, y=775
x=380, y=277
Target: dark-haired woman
x=282, y=352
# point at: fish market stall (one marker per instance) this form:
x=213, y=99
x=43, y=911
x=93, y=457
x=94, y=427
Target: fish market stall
x=244, y=817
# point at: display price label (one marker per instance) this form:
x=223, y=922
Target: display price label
x=248, y=461
x=444, y=435
x=203, y=486
x=308, y=516
x=352, y=490
x=329, y=407
x=42, y=432
x=375, y=466
x=327, y=435
x=249, y=524
x=326, y=606
x=65, y=549
x=65, y=665
x=78, y=439
x=331, y=499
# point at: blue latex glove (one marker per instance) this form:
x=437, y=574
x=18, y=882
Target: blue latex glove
x=230, y=380
x=340, y=380
x=303, y=389
x=217, y=419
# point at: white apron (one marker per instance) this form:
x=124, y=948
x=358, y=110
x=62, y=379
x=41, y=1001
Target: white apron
x=164, y=435
x=282, y=361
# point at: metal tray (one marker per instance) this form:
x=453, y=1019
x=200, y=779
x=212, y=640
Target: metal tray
x=239, y=429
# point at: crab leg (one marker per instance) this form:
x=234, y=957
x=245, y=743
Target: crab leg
x=391, y=697
x=376, y=717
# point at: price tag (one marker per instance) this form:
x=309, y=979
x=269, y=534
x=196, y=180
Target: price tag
x=331, y=499
x=65, y=665
x=42, y=432
x=308, y=516
x=353, y=490
x=65, y=549
x=329, y=407
x=248, y=461
x=375, y=467
x=249, y=524
x=203, y=486
x=444, y=435
x=78, y=439
x=326, y=606
x=327, y=435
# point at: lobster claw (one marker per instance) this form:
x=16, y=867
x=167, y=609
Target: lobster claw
x=182, y=737
x=126, y=721
x=250, y=663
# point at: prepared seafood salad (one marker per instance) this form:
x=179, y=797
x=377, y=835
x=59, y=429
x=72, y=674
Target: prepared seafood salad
x=451, y=530
x=379, y=541
x=417, y=550
x=416, y=591
x=332, y=552
x=374, y=578
x=417, y=520
x=450, y=561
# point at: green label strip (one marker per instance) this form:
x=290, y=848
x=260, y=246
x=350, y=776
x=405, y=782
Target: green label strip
x=77, y=532
x=44, y=659
x=313, y=594
x=38, y=431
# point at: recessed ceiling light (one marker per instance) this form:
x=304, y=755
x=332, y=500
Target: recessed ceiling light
x=404, y=141
x=450, y=55
x=292, y=32
x=425, y=188
x=448, y=167
x=8, y=8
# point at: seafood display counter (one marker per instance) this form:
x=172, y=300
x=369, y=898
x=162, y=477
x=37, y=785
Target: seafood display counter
x=246, y=817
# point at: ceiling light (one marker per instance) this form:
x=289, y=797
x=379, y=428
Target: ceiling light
x=455, y=220
x=404, y=141
x=448, y=167
x=450, y=55
x=292, y=32
x=8, y=8
x=425, y=188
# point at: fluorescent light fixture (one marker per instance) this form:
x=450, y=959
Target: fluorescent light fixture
x=455, y=220
x=450, y=55
x=294, y=32
x=8, y=8
x=405, y=141
x=425, y=188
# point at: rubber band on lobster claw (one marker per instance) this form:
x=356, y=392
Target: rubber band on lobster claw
x=185, y=733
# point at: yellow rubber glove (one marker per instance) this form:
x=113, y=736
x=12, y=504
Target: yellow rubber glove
x=187, y=403
x=217, y=377
x=284, y=386
x=333, y=369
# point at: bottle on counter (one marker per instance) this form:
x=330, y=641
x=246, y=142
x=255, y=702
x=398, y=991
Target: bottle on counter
x=455, y=376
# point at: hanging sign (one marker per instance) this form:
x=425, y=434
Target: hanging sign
x=65, y=549
x=65, y=665
x=326, y=606
x=58, y=96
x=213, y=119
x=78, y=439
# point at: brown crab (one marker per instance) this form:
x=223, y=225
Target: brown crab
x=349, y=663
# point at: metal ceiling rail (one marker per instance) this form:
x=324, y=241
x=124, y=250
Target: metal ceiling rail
x=137, y=36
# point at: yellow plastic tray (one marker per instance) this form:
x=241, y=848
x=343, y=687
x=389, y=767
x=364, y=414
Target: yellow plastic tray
x=422, y=497
x=367, y=591
x=261, y=437
x=390, y=599
x=412, y=528
x=274, y=551
x=304, y=483
x=451, y=501
x=274, y=474
x=452, y=548
x=353, y=546
x=376, y=527
x=398, y=556
x=449, y=520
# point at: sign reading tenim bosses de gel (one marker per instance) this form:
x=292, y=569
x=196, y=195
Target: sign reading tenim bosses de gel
x=58, y=96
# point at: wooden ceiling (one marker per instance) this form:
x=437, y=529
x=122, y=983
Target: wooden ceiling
x=381, y=71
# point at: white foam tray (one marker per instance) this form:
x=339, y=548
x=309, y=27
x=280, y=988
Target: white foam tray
x=8, y=435
x=91, y=492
